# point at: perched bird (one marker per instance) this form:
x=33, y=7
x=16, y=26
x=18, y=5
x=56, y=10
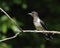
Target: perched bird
x=39, y=24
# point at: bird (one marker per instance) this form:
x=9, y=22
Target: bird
x=39, y=24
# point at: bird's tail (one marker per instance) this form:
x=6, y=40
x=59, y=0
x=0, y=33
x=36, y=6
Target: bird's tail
x=49, y=36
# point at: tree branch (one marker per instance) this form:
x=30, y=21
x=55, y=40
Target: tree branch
x=35, y=31
x=10, y=37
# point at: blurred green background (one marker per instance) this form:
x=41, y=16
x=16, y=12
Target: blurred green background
x=49, y=12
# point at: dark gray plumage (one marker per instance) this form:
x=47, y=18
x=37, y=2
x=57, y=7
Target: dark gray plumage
x=39, y=24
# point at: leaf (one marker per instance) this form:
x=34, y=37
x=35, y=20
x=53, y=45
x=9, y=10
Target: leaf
x=14, y=28
x=5, y=6
x=4, y=45
x=24, y=5
x=4, y=28
x=4, y=18
x=17, y=1
x=3, y=37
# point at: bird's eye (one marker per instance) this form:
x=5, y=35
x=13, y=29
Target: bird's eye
x=32, y=13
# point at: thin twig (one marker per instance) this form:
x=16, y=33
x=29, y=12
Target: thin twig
x=10, y=37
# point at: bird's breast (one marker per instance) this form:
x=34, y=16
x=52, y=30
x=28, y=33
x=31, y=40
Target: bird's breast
x=37, y=22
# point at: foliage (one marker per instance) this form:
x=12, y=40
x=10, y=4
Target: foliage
x=3, y=45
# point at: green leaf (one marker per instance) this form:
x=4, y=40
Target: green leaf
x=5, y=6
x=14, y=28
x=3, y=37
x=4, y=18
x=4, y=28
x=24, y=5
x=17, y=1
x=4, y=45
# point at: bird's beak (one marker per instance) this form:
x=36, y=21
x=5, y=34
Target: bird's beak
x=29, y=13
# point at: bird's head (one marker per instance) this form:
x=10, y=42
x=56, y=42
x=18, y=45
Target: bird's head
x=33, y=13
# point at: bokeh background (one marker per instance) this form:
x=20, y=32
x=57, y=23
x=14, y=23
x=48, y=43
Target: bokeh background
x=49, y=12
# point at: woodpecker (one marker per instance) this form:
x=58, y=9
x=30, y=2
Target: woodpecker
x=39, y=24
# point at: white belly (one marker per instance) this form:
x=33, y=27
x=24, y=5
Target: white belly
x=37, y=22
x=37, y=25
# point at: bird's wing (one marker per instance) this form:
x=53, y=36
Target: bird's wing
x=43, y=25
